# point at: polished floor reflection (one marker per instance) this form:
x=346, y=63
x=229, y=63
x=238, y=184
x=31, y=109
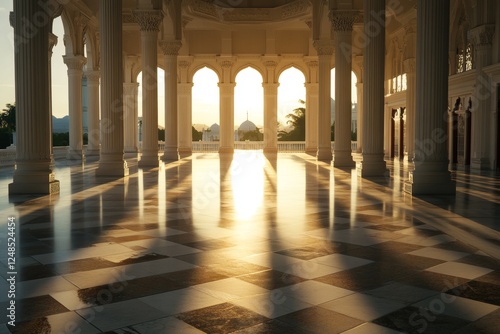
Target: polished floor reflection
x=252, y=244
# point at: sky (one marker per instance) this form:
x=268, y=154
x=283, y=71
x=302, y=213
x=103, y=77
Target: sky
x=248, y=90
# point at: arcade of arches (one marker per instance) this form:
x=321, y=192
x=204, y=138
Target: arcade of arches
x=427, y=87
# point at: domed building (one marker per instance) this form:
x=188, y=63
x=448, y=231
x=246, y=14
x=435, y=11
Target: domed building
x=212, y=133
x=248, y=131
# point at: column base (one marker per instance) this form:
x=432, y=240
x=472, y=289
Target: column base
x=270, y=150
x=407, y=160
x=93, y=152
x=480, y=164
x=343, y=159
x=38, y=188
x=371, y=165
x=131, y=149
x=170, y=154
x=112, y=165
x=185, y=152
x=226, y=150
x=311, y=150
x=324, y=154
x=430, y=178
x=149, y=161
x=75, y=154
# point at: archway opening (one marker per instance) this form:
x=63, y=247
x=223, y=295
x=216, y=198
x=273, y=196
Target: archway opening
x=161, y=104
x=248, y=106
x=354, y=104
x=205, y=99
x=291, y=106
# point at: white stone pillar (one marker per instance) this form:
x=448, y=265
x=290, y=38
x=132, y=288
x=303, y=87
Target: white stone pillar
x=226, y=91
x=324, y=49
x=185, y=119
x=270, y=117
x=111, y=162
x=431, y=175
x=171, y=50
x=312, y=109
x=411, y=82
x=130, y=92
x=342, y=25
x=149, y=22
x=34, y=173
x=52, y=43
x=75, y=107
x=482, y=40
x=94, y=131
x=372, y=156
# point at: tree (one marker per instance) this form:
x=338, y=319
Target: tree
x=8, y=119
x=297, y=120
x=254, y=135
x=195, y=134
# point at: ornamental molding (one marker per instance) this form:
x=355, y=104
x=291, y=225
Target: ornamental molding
x=170, y=48
x=148, y=20
x=128, y=18
x=226, y=62
x=184, y=64
x=294, y=9
x=313, y=64
x=92, y=76
x=482, y=35
x=75, y=62
x=323, y=47
x=343, y=21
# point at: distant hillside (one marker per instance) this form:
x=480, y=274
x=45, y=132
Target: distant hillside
x=60, y=125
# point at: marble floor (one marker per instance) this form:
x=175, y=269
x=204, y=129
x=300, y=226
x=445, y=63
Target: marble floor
x=247, y=244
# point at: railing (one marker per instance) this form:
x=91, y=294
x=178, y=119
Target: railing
x=205, y=146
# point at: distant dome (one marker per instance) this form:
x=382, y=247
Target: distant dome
x=215, y=127
x=247, y=126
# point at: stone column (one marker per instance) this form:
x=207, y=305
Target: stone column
x=226, y=91
x=111, y=162
x=342, y=25
x=130, y=92
x=75, y=108
x=359, y=92
x=149, y=22
x=94, y=132
x=312, y=109
x=325, y=51
x=171, y=50
x=482, y=40
x=185, y=119
x=270, y=109
x=372, y=156
x=411, y=81
x=431, y=175
x=52, y=43
x=270, y=117
x=34, y=173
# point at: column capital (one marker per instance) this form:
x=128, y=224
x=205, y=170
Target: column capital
x=226, y=87
x=148, y=20
x=130, y=88
x=75, y=62
x=410, y=65
x=92, y=76
x=52, y=41
x=343, y=20
x=270, y=86
x=312, y=88
x=185, y=88
x=226, y=62
x=324, y=47
x=313, y=64
x=184, y=64
x=170, y=48
x=482, y=36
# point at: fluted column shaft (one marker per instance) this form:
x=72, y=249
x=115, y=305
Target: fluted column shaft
x=111, y=161
x=226, y=117
x=52, y=43
x=270, y=117
x=75, y=107
x=411, y=82
x=170, y=51
x=185, y=119
x=149, y=22
x=342, y=25
x=431, y=174
x=34, y=170
x=94, y=132
x=325, y=51
x=130, y=91
x=373, y=163
x=312, y=109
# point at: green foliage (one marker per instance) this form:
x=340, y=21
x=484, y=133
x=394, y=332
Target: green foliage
x=161, y=134
x=60, y=139
x=298, y=122
x=196, y=135
x=254, y=135
x=8, y=119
